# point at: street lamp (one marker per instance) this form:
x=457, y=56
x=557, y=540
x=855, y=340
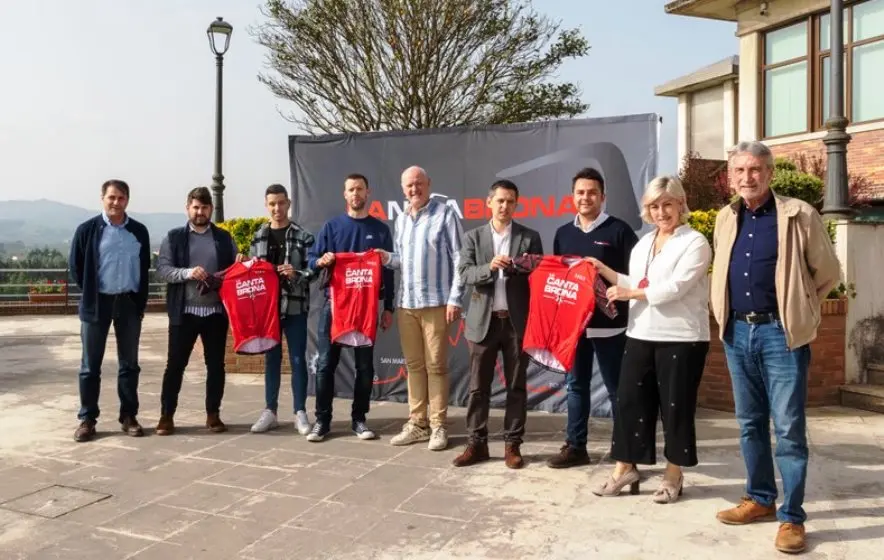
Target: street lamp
x=219, y=40
x=835, y=203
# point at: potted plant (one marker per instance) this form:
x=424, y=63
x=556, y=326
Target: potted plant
x=48, y=291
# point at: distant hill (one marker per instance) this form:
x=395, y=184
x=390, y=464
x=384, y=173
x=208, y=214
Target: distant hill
x=38, y=223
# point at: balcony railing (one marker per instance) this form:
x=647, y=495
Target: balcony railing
x=53, y=287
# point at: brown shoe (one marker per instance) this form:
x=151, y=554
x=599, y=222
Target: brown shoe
x=166, y=425
x=86, y=431
x=512, y=456
x=131, y=426
x=748, y=511
x=214, y=423
x=475, y=452
x=568, y=457
x=790, y=538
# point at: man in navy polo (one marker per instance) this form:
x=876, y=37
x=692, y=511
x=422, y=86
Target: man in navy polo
x=593, y=233
x=109, y=260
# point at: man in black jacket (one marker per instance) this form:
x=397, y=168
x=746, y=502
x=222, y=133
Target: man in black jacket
x=109, y=261
x=188, y=256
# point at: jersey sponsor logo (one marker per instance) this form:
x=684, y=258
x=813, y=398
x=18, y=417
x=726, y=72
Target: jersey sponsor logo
x=561, y=290
x=250, y=287
x=548, y=206
x=358, y=277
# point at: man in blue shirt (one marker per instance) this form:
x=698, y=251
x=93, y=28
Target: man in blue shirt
x=109, y=260
x=353, y=232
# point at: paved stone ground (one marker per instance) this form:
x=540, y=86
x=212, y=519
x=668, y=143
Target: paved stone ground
x=241, y=495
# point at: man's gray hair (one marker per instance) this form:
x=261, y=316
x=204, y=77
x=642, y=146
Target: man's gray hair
x=754, y=148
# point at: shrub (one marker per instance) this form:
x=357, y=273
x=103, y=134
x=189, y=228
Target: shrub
x=705, y=182
x=858, y=186
x=47, y=286
x=704, y=222
x=242, y=230
x=795, y=184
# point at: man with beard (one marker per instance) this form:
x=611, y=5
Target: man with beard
x=593, y=233
x=353, y=232
x=188, y=255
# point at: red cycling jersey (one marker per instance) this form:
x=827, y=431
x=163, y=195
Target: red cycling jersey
x=562, y=303
x=353, y=291
x=250, y=294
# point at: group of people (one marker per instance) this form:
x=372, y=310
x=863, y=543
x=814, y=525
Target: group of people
x=771, y=264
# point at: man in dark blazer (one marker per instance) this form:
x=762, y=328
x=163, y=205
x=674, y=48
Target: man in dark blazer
x=496, y=319
x=109, y=260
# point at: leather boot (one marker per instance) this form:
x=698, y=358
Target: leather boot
x=131, y=426
x=85, y=431
x=748, y=511
x=475, y=452
x=214, y=423
x=791, y=538
x=513, y=456
x=166, y=425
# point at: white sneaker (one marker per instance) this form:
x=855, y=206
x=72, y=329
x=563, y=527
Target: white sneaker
x=438, y=439
x=266, y=422
x=411, y=433
x=302, y=423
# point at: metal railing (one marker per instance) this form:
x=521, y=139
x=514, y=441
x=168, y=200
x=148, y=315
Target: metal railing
x=53, y=286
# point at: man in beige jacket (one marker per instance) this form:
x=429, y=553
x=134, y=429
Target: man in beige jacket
x=774, y=263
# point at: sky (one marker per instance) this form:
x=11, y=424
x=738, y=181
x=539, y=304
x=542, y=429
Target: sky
x=95, y=89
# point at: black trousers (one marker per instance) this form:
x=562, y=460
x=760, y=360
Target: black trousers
x=659, y=377
x=212, y=332
x=501, y=338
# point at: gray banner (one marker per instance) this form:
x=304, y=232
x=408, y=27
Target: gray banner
x=462, y=163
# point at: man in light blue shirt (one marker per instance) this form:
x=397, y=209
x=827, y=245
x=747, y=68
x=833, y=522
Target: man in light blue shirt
x=109, y=260
x=426, y=248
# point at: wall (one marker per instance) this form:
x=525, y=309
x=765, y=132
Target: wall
x=859, y=244
x=826, y=368
x=707, y=122
x=865, y=153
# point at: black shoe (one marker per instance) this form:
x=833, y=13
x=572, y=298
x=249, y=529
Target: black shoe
x=318, y=432
x=568, y=457
x=362, y=431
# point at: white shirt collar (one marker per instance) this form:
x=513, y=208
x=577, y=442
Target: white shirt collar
x=598, y=221
x=506, y=231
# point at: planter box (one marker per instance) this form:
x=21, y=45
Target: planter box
x=47, y=298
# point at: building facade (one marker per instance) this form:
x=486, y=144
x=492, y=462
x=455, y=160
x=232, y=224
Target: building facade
x=777, y=90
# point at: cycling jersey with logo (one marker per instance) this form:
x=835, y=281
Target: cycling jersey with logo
x=353, y=291
x=250, y=294
x=562, y=302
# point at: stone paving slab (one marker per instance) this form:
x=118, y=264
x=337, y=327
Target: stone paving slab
x=262, y=496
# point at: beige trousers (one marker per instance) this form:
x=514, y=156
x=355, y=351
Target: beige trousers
x=424, y=337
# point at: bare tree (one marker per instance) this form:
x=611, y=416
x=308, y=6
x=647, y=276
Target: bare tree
x=364, y=65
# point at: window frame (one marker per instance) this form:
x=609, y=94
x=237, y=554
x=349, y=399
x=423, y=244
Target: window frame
x=814, y=59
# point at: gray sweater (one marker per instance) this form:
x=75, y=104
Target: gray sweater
x=202, y=253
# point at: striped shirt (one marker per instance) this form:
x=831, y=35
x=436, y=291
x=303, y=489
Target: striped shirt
x=426, y=248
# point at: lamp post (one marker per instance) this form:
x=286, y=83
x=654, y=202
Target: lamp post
x=219, y=40
x=835, y=203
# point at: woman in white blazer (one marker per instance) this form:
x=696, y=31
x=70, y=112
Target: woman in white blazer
x=667, y=342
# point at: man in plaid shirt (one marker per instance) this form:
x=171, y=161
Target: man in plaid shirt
x=284, y=244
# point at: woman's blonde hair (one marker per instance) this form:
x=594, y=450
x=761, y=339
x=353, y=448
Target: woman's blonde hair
x=657, y=188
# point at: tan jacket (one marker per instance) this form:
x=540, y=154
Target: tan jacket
x=807, y=267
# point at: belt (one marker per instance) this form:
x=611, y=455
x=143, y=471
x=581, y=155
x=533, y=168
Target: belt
x=754, y=318
x=501, y=314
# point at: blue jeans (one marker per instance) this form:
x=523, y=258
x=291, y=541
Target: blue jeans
x=121, y=312
x=327, y=364
x=609, y=352
x=294, y=329
x=770, y=381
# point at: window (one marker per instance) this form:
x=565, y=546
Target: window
x=796, y=70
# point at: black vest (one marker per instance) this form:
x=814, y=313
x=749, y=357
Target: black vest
x=179, y=244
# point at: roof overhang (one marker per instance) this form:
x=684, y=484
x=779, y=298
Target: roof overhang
x=725, y=10
x=709, y=76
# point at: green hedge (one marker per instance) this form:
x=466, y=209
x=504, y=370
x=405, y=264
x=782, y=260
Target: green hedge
x=242, y=230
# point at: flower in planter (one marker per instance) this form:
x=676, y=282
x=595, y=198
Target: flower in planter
x=48, y=287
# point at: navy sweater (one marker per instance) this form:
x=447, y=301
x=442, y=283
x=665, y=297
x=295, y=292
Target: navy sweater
x=344, y=234
x=612, y=243
x=83, y=264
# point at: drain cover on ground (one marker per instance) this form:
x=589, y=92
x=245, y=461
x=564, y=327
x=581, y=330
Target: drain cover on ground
x=54, y=501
